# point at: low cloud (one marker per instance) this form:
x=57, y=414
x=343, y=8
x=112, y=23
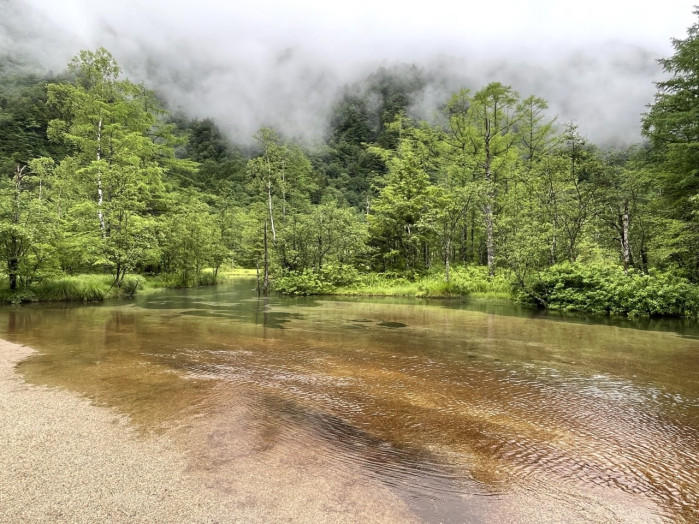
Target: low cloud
x=284, y=66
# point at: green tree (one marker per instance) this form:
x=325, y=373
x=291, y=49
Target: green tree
x=396, y=217
x=28, y=227
x=535, y=129
x=120, y=152
x=328, y=233
x=281, y=176
x=672, y=125
x=485, y=126
x=624, y=190
x=576, y=198
x=191, y=239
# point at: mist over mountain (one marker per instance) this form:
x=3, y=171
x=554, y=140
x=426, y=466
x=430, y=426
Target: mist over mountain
x=285, y=67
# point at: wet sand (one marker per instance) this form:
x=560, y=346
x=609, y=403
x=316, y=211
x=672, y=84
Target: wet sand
x=65, y=459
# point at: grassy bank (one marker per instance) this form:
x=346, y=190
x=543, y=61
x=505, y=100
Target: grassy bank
x=74, y=288
x=463, y=281
x=96, y=288
x=602, y=289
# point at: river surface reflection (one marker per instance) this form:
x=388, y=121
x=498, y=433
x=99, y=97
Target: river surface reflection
x=467, y=410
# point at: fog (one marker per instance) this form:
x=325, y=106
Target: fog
x=283, y=64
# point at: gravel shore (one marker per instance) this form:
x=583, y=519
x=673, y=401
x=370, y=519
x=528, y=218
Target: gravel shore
x=64, y=459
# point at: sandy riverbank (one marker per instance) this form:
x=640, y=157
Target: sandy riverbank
x=66, y=460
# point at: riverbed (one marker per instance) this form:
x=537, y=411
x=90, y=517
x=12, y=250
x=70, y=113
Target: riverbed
x=441, y=411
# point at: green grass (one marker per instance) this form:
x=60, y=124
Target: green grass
x=96, y=288
x=464, y=281
x=236, y=272
x=78, y=288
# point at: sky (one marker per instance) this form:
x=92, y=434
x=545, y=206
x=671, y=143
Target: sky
x=283, y=63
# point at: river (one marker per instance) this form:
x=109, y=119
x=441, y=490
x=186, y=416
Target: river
x=467, y=410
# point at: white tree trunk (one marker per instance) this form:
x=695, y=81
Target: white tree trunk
x=100, y=195
x=271, y=214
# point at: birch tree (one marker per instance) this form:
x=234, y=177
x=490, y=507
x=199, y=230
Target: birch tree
x=119, y=154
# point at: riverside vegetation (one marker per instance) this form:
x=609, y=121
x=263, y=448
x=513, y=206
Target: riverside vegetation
x=105, y=190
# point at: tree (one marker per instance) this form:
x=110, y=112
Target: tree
x=120, y=152
x=485, y=126
x=281, y=176
x=24, y=119
x=221, y=165
x=328, y=233
x=462, y=170
x=672, y=125
x=576, y=200
x=28, y=228
x=396, y=215
x=535, y=129
x=192, y=239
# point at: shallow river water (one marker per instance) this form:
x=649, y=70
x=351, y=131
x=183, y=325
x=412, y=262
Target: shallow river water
x=465, y=410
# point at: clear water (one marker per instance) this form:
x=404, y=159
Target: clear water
x=464, y=409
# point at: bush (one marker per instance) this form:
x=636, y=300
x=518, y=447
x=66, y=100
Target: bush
x=608, y=290
x=342, y=279
x=307, y=282
x=466, y=280
x=314, y=281
x=207, y=278
x=130, y=285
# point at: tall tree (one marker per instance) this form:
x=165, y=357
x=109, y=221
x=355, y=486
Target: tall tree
x=280, y=175
x=119, y=154
x=535, y=128
x=28, y=226
x=396, y=218
x=672, y=124
x=486, y=125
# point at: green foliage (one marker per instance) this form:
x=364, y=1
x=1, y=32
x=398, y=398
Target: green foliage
x=469, y=280
x=98, y=179
x=221, y=166
x=606, y=289
x=464, y=281
x=305, y=282
x=24, y=119
x=191, y=241
x=321, y=281
x=80, y=288
x=396, y=215
x=28, y=229
x=327, y=234
x=671, y=125
x=130, y=285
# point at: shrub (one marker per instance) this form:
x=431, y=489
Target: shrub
x=306, y=282
x=314, y=281
x=207, y=278
x=130, y=285
x=608, y=290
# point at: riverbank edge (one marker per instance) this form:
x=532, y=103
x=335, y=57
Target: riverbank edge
x=597, y=288
x=94, y=288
